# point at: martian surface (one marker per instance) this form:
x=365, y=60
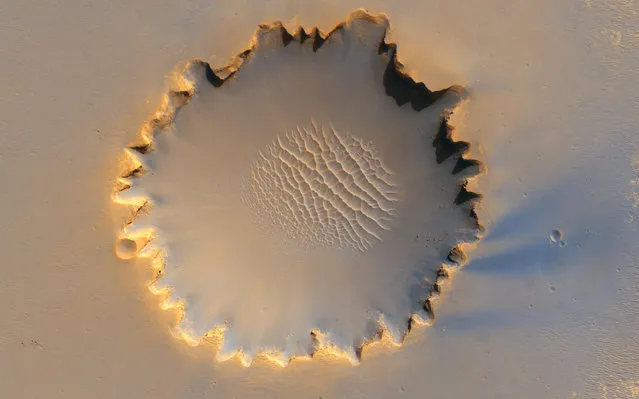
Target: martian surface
x=319, y=199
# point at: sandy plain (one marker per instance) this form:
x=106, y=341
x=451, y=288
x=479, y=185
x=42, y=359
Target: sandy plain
x=553, y=115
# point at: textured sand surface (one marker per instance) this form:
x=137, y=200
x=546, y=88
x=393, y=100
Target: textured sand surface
x=552, y=113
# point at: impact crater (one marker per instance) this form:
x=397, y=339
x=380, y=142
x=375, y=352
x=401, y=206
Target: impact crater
x=308, y=197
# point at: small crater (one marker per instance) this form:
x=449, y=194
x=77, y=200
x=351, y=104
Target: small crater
x=556, y=237
x=126, y=248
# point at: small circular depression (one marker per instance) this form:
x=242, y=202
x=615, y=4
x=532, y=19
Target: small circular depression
x=556, y=237
x=126, y=248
